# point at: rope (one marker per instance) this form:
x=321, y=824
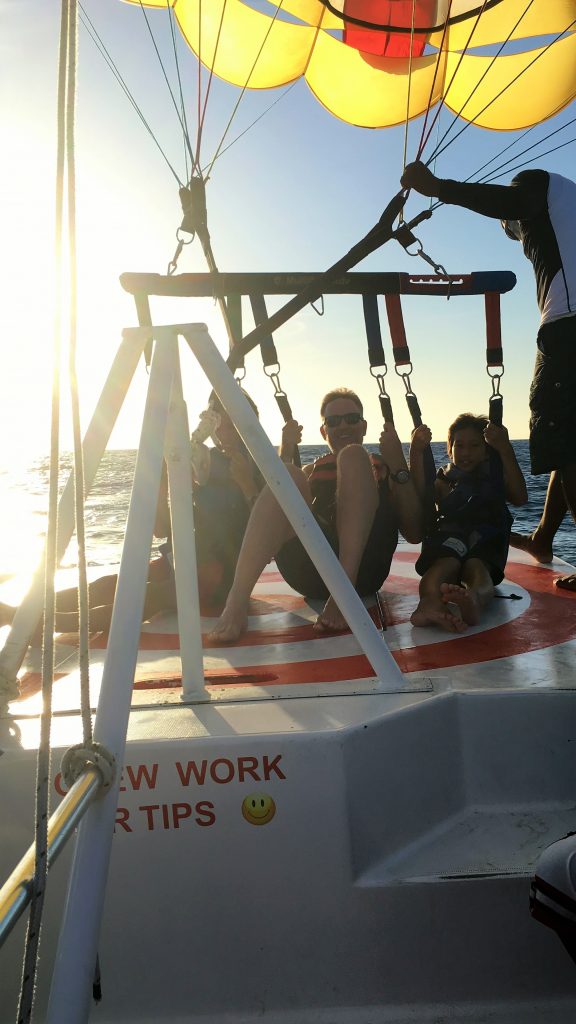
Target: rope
x=66, y=83
x=79, y=486
x=522, y=152
x=79, y=758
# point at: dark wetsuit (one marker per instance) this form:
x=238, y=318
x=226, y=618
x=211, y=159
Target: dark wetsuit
x=473, y=520
x=544, y=207
x=221, y=513
x=295, y=565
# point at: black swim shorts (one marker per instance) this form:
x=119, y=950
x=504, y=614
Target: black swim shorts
x=492, y=550
x=553, y=397
x=302, y=575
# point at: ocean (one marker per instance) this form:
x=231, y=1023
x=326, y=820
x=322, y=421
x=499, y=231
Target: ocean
x=23, y=496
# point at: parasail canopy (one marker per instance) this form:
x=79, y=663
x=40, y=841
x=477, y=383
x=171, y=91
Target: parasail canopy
x=373, y=63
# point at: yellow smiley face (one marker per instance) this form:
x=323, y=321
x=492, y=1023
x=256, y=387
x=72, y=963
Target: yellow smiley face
x=258, y=808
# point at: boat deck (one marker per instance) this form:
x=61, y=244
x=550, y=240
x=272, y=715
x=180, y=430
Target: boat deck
x=397, y=822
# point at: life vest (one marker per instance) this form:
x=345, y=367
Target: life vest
x=322, y=481
x=476, y=501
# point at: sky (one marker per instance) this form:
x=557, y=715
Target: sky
x=294, y=193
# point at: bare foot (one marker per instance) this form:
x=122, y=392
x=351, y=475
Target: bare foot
x=7, y=613
x=533, y=545
x=230, y=626
x=330, y=618
x=436, y=613
x=465, y=599
x=566, y=582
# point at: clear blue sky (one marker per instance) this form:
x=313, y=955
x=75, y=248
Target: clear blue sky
x=295, y=193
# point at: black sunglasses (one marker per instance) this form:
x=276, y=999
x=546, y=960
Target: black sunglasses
x=348, y=417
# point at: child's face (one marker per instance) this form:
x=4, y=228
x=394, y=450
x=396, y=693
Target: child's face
x=468, y=449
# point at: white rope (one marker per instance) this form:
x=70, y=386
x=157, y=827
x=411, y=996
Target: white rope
x=79, y=758
x=27, y=992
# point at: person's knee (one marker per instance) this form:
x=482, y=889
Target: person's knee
x=353, y=455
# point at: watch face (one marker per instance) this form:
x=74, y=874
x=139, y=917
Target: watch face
x=401, y=477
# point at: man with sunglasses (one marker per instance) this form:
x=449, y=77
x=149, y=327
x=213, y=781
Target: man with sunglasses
x=538, y=209
x=360, y=501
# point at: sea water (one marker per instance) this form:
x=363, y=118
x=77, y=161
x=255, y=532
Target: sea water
x=23, y=505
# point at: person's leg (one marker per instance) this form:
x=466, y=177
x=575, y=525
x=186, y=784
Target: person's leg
x=356, y=504
x=476, y=592
x=268, y=529
x=539, y=543
x=437, y=583
x=568, y=475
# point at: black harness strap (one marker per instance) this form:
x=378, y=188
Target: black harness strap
x=494, y=355
x=376, y=353
x=270, y=361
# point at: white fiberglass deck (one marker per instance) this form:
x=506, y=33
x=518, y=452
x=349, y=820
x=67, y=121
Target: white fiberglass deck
x=303, y=847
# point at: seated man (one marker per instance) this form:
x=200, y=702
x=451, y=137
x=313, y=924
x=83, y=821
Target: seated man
x=359, y=501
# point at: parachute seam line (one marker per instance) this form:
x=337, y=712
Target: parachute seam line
x=446, y=91
x=66, y=81
x=243, y=90
x=163, y=69
x=515, y=79
x=104, y=53
x=522, y=152
x=255, y=121
x=440, y=52
x=183, y=120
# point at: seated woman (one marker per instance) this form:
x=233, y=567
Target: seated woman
x=225, y=484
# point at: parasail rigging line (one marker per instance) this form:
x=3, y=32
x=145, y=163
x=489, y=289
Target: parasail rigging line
x=429, y=104
x=456, y=117
x=163, y=69
x=183, y=118
x=202, y=114
x=408, y=91
x=522, y=152
x=424, y=141
x=500, y=153
x=255, y=121
x=104, y=52
x=242, y=92
x=537, y=157
x=506, y=87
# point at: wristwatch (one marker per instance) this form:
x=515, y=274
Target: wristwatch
x=401, y=477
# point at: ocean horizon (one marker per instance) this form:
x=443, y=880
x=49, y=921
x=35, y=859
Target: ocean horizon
x=24, y=490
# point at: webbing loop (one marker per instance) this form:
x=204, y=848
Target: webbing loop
x=319, y=312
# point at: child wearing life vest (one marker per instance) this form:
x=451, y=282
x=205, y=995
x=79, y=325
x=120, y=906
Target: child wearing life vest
x=464, y=551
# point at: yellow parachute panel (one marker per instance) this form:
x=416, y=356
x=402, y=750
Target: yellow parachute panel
x=370, y=93
x=249, y=48
x=543, y=89
x=514, y=19
x=243, y=46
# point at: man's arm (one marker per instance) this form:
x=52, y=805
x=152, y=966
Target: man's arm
x=525, y=197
